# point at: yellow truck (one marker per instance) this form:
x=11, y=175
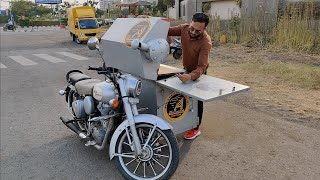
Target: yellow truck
x=83, y=23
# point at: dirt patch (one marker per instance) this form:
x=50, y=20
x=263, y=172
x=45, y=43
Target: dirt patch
x=268, y=94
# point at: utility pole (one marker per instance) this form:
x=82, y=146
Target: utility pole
x=196, y=6
x=109, y=8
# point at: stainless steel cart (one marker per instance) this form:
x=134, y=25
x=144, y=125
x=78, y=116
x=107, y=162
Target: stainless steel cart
x=162, y=92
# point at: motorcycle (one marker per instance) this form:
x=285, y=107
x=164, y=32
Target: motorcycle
x=105, y=112
x=9, y=26
x=177, y=49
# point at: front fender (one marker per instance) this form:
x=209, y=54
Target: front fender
x=141, y=118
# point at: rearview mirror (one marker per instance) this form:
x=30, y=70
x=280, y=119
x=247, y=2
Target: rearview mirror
x=93, y=43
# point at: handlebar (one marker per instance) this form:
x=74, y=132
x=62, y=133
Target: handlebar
x=103, y=72
x=95, y=69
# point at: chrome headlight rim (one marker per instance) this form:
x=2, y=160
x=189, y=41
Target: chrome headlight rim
x=138, y=88
x=133, y=86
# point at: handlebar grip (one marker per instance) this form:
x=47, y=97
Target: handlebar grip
x=93, y=68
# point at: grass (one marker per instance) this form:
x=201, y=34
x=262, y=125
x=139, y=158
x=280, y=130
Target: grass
x=297, y=28
x=301, y=75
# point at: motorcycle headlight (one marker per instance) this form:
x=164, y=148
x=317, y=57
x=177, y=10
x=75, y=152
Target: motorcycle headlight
x=133, y=86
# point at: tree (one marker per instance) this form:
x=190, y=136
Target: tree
x=169, y=3
x=62, y=9
x=22, y=7
x=28, y=9
x=41, y=10
x=90, y=3
x=161, y=6
x=99, y=13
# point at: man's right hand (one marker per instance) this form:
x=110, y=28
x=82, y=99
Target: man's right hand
x=184, y=77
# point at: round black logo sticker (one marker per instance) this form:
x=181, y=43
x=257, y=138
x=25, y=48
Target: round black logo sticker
x=176, y=106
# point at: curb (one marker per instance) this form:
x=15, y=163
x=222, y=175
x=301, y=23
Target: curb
x=36, y=28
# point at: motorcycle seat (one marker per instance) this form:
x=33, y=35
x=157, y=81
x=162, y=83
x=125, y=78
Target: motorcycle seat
x=76, y=77
x=85, y=87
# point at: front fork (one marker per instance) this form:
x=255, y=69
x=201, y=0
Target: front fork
x=130, y=109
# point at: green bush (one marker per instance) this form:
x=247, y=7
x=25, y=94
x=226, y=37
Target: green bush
x=64, y=20
x=44, y=23
x=24, y=23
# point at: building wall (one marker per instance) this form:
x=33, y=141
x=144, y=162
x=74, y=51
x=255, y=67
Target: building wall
x=219, y=7
x=172, y=13
x=224, y=9
x=251, y=7
x=188, y=8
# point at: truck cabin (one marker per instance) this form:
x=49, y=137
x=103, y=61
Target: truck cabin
x=90, y=23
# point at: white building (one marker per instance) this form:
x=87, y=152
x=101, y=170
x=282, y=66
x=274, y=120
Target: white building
x=184, y=9
x=104, y=4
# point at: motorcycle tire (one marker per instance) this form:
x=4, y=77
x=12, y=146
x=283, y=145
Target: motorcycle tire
x=177, y=54
x=73, y=37
x=161, y=157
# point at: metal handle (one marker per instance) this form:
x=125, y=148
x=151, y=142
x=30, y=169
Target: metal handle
x=136, y=44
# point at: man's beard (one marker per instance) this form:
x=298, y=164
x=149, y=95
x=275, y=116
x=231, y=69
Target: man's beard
x=194, y=37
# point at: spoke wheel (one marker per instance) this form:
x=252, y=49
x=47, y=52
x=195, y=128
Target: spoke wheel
x=159, y=160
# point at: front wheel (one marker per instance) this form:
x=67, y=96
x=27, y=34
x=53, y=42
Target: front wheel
x=78, y=40
x=159, y=160
x=177, y=54
x=73, y=37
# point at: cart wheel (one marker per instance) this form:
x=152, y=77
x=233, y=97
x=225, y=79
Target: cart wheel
x=177, y=54
x=159, y=160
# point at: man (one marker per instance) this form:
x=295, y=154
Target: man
x=196, y=47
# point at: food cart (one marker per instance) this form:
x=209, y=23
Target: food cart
x=162, y=92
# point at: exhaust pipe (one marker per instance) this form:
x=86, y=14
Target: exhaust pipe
x=74, y=127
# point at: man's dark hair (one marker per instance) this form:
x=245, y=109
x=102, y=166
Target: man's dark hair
x=201, y=17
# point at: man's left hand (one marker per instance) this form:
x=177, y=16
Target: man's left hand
x=184, y=77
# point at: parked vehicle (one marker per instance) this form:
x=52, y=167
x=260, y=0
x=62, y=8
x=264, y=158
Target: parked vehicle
x=105, y=112
x=100, y=22
x=82, y=23
x=176, y=48
x=108, y=21
x=9, y=26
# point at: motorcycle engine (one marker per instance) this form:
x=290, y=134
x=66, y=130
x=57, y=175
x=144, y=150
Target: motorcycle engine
x=98, y=134
x=98, y=130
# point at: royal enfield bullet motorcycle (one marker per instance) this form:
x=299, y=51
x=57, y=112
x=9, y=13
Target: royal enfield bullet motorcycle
x=105, y=112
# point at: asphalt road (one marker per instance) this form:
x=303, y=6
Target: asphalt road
x=236, y=142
